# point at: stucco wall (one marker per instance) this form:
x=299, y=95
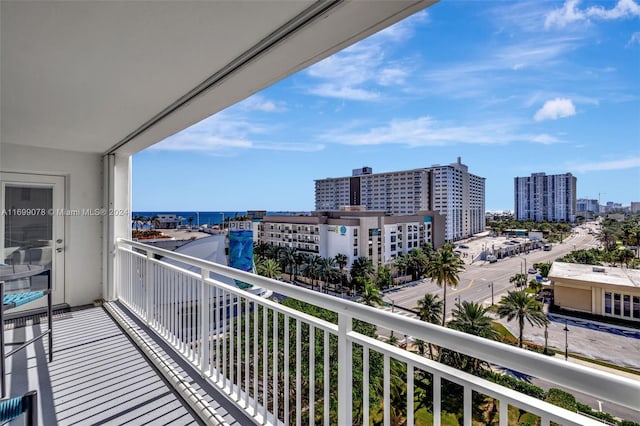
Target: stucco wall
x=577, y=299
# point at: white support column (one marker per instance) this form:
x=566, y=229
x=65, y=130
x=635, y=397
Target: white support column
x=117, y=198
x=345, y=373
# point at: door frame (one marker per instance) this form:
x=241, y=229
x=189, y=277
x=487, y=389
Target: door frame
x=59, y=242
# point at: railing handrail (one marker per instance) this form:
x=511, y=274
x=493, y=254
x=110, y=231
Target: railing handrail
x=600, y=384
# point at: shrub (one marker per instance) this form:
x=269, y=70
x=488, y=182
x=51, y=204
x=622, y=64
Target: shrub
x=562, y=399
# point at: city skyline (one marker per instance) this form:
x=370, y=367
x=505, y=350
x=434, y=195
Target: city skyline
x=513, y=89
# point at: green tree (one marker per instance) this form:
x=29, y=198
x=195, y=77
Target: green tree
x=326, y=266
x=310, y=268
x=401, y=262
x=268, y=268
x=519, y=280
x=370, y=294
x=444, y=269
x=383, y=277
x=471, y=318
x=361, y=267
x=523, y=307
x=430, y=310
x=288, y=260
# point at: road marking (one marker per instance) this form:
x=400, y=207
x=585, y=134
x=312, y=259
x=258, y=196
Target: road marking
x=463, y=289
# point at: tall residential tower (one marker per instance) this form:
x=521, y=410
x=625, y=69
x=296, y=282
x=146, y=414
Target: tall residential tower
x=449, y=190
x=545, y=198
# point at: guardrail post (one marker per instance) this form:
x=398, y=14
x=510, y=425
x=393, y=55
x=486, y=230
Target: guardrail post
x=345, y=372
x=204, y=322
x=148, y=284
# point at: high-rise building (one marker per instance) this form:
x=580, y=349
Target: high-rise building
x=450, y=190
x=543, y=198
x=587, y=207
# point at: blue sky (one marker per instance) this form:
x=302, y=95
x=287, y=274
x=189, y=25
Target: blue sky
x=513, y=88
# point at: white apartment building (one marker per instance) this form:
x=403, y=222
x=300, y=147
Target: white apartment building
x=459, y=196
x=545, y=198
x=357, y=233
x=450, y=190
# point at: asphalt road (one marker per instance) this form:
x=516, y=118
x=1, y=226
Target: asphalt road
x=476, y=283
x=478, y=278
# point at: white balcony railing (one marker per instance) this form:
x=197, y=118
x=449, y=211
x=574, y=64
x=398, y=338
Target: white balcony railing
x=278, y=362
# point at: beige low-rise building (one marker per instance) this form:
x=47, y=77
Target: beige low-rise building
x=599, y=290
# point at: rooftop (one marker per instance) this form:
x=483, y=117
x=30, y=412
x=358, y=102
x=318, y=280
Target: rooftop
x=597, y=274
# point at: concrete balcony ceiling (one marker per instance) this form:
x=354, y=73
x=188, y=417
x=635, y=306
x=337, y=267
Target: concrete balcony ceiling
x=102, y=76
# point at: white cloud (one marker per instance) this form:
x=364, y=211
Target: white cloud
x=554, y=109
x=623, y=9
x=426, y=131
x=544, y=139
x=360, y=71
x=570, y=13
x=567, y=14
x=635, y=39
x=259, y=103
x=625, y=163
x=227, y=134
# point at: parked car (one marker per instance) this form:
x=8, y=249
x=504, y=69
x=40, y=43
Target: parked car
x=492, y=259
x=463, y=246
x=532, y=271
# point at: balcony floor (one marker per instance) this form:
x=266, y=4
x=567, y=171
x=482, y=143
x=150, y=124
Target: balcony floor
x=98, y=376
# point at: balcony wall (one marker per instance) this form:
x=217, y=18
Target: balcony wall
x=281, y=365
x=83, y=190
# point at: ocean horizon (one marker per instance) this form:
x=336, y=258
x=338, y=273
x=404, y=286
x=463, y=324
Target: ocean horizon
x=209, y=217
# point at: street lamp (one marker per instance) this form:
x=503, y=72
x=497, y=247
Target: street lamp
x=491, y=285
x=566, y=341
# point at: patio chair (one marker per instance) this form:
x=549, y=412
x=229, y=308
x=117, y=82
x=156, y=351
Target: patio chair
x=17, y=289
x=26, y=404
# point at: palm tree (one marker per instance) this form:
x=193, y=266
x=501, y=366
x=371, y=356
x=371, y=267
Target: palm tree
x=268, y=268
x=401, y=262
x=311, y=268
x=288, y=258
x=325, y=266
x=260, y=249
x=418, y=262
x=430, y=310
x=361, y=268
x=370, y=295
x=341, y=260
x=519, y=280
x=444, y=269
x=472, y=318
x=523, y=306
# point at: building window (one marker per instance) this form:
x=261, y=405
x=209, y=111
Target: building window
x=616, y=304
x=626, y=305
x=355, y=252
x=636, y=307
x=355, y=232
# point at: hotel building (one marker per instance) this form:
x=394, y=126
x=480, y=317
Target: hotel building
x=543, y=198
x=450, y=190
x=355, y=233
